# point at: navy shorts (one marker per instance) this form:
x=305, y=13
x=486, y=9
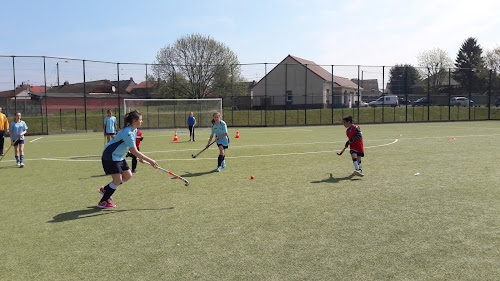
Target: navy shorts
x=360, y=154
x=224, y=146
x=114, y=167
x=18, y=142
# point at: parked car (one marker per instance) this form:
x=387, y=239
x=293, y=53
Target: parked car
x=385, y=101
x=422, y=101
x=402, y=101
x=497, y=101
x=461, y=101
x=363, y=104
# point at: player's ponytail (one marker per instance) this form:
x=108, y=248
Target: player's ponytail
x=131, y=117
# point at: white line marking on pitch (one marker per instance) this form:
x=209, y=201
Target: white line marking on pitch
x=36, y=139
x=233, y=157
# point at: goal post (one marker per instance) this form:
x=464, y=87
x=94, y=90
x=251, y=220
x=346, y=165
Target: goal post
x=173, y=113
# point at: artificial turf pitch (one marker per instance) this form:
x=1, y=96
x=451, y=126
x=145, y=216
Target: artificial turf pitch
x=303, y=217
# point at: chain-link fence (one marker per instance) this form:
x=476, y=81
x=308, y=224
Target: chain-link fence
x=64, y=95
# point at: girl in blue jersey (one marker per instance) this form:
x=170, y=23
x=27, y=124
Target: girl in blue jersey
x=18, y=129
x=219, y=128
x=110, y=126
x=113, y=157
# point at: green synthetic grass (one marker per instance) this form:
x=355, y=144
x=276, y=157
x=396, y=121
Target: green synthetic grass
x=303, y=217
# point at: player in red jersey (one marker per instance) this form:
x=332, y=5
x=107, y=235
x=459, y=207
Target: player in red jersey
x=138, y=140
x=355, y=142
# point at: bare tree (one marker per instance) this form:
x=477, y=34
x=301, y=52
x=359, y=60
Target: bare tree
x=434, y=63
x=203, y=62
x=492, y=59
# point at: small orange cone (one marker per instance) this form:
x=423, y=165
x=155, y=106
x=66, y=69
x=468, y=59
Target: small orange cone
x=237, y=134
x=175, y=136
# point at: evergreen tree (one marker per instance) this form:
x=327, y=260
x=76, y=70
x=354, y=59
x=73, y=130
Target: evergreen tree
x=469, y=64
x=398, y=73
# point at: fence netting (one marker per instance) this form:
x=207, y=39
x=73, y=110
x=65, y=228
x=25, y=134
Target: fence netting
x=64, y=95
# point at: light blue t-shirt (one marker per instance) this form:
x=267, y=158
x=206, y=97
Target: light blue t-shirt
x=17, y=128
x=220, y=130
x=110, y=123
x=118, y=147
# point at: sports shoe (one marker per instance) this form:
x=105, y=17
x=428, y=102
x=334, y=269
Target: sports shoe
x=105, y=205
x=134, y=171
x=101, y=190
x=359, y=173
x=223, y=164
x=21, y=164
x=218, y=169
x=18, y=163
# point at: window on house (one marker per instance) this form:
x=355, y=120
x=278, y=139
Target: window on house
x=289, y=97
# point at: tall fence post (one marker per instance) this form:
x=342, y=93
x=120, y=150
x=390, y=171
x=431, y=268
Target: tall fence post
x=449, y=94
x=333, y=97
x=45, y=89
x=305, y=97
x=84, y=95
x=118, y=91
x=265, y=96
x=286, y=90
x=358, y=89
x=489, y=96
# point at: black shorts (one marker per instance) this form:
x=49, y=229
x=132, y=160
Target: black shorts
x=18, y=142
x=114, y=167
x=360, y=154
x=110, y=134
x=224, y=146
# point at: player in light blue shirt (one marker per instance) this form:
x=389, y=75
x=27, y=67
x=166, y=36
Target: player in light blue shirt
x=110, y=126
x=219, y=129
x=113, y=157
x=17, y=129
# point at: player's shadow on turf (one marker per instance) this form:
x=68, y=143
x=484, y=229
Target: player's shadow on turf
x=189, y=175
x=94, y=212
x=336, y=180
x=9, y=167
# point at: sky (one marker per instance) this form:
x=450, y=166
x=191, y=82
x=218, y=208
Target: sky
x=357, y=32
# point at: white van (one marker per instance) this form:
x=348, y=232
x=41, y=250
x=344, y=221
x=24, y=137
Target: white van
x=385, y=101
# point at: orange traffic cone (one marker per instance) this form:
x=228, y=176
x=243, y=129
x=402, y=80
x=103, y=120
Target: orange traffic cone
x=237, y=134
x=175, y=136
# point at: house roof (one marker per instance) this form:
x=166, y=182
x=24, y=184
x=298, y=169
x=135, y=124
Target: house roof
x=125, y=84
x=323, y=73
x=19, y=90
x=369, y=85
x=444, y=81
x=38, y=89
x=150, y=84
x=99, y=86
x=9, y=93
x=80, y=95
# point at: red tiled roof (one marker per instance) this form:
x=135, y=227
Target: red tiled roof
x=38, y=89
x=143, y=84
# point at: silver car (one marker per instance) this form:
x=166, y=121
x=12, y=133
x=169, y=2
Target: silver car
x=461, y=101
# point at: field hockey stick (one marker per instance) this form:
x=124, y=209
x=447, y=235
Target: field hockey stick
x=194, y=156
x=172, y=174
x=342, y=151
x=12, y=144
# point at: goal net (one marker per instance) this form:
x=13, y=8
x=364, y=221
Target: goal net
x=173, y=113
